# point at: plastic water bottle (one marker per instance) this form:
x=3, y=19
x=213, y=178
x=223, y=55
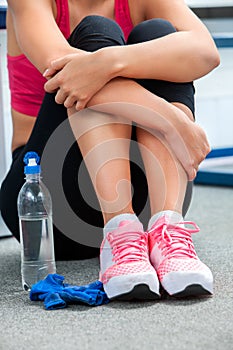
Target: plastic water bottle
x=35, y=223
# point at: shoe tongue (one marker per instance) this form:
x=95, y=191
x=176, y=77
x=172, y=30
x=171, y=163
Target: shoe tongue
x=130, y=226
x=173, y=220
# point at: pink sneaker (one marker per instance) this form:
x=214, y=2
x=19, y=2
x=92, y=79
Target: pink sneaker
x=125, y=269
x=173, y=256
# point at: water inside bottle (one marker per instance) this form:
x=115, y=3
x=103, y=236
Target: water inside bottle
x=37, y=254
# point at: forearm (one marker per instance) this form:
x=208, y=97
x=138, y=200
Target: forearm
x=186, y=139
x=154, y=114
x=178, y=57
x=139, y=105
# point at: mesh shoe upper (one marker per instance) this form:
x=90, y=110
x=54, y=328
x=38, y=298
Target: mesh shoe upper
x=124, y=251
x=171, y=248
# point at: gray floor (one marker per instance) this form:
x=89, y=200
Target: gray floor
x=166, y=324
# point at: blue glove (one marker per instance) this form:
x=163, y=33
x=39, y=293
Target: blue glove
x=56, y=294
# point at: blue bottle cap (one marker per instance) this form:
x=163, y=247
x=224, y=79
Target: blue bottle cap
x=31, y=159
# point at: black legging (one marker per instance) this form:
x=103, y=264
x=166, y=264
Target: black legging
x=92, y=33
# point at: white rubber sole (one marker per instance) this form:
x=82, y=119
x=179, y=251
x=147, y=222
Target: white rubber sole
x=183, y=284
x=134, y=286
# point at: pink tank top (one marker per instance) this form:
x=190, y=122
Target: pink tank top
x=27, y=83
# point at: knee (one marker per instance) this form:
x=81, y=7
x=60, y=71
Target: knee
x=150, y=29
x=95, y=32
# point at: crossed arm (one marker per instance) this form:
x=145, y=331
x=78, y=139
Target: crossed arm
x=77, y=76
x=186, y=55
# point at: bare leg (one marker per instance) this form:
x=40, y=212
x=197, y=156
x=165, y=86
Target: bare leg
x=105, y=150
x=167, y=180
x=104, y=145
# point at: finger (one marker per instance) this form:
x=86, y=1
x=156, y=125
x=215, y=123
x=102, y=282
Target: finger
x=70, y=101
x=60, y=97
x=59, y=63
x=49, y=72
x=56, y=65
x=52, y=84
x=192, y=174
x=81, y=104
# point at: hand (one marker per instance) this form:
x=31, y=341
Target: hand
x=190, y=145
x=79, y=77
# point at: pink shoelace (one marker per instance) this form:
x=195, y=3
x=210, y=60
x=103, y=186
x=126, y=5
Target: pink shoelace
x=128, y=247
x=174, y=240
